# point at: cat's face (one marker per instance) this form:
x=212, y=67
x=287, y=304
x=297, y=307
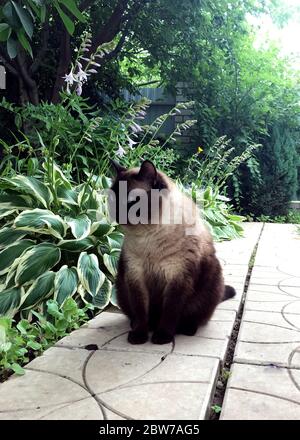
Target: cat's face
x=132, y=189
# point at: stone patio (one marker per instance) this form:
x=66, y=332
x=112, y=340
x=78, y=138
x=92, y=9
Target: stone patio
x=265, y=377
x=95, y=374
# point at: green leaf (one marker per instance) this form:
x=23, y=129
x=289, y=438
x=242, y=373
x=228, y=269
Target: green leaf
x=11, y=15
x=66, y=20
x=111, y=263
x=58, y=176
x=67, y=196
x=71, y=5
x=11, y=252
x=80, y=226
x=30, y=185
x=101, y=228
x=91, y=277
x=25, y=18
x=17, y=369
x=5, y=213
x=25, y=43
x=9, y=236
x=76, y=245
x=12, y=47
x=115, y=240
x=34, y=345
x=14, y=202
x=65, y=284
x=10, y=300
x=5, y=31
x=103, y=296
x=113, y=297
x=36, y=261
x=42, y=221
x=41, y=289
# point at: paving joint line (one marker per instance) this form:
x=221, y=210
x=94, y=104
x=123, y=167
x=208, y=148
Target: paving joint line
x=219, y=393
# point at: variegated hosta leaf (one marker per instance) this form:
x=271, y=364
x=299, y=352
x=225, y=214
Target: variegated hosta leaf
x=14, y=202
x=36, y=261
x=102, y=298
x=80, y=226
x=5, y=213
x=9, y=236
x=42, y=221
x=65, y=283
x=67, y=196
x=11, y=252
x=101, y=228
x=111, y=263
x=115, y=240
x=83, y=293
x=10, y=276
x=58, y=176
x=76, y=245
x=41, y=289
x=91, y=277
x=32, y=186
x=10, y=300
x=113, y=297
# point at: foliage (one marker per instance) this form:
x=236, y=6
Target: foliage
x=279, y=162
x=218, y=215
x=292, y=217
x=56, y=241
x=244, y=94
x=214, y=167
x=18, y=21
x=83, y=137
x=20, y=342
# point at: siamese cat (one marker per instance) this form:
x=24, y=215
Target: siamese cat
x=169, y=279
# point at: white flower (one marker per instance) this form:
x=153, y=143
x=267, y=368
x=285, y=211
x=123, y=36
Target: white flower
x=69, y=78
x=81, y=75
x=92, y=71
x=79, y=89
x=131, y=143
x=136, y=128
x=120, y=152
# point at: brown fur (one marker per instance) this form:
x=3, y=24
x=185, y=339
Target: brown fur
x=168, y=281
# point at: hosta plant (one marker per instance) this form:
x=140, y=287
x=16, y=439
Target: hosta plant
x=216, y=212
x=56, y=241
x=219, y=216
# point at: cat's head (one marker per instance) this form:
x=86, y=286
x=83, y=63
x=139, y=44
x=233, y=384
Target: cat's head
x=132, y=190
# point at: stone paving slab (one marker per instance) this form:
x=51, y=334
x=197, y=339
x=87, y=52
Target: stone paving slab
x=262, y=392
x=94, y=373
x=265, y=379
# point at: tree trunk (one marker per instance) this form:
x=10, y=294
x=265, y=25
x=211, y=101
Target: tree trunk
x=63, y=65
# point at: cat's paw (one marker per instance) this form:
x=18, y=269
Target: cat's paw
x=137, y=337
x=161, y=337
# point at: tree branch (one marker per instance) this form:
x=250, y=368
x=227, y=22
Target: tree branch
x=131, y=16
x=28, y=80
x=64, y=63
x=112, y=27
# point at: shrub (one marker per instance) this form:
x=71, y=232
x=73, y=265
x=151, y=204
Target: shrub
x=278, y=187
x=56, y=241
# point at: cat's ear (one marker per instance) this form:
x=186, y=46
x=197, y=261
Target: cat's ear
x=117, y=167
x=148, y=171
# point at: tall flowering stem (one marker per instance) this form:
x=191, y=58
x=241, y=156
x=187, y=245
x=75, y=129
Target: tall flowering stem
x=85, y=65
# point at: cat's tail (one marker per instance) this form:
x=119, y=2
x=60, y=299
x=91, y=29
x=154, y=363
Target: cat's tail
x=229, y=292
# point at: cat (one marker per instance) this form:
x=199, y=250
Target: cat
x=169, y=279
